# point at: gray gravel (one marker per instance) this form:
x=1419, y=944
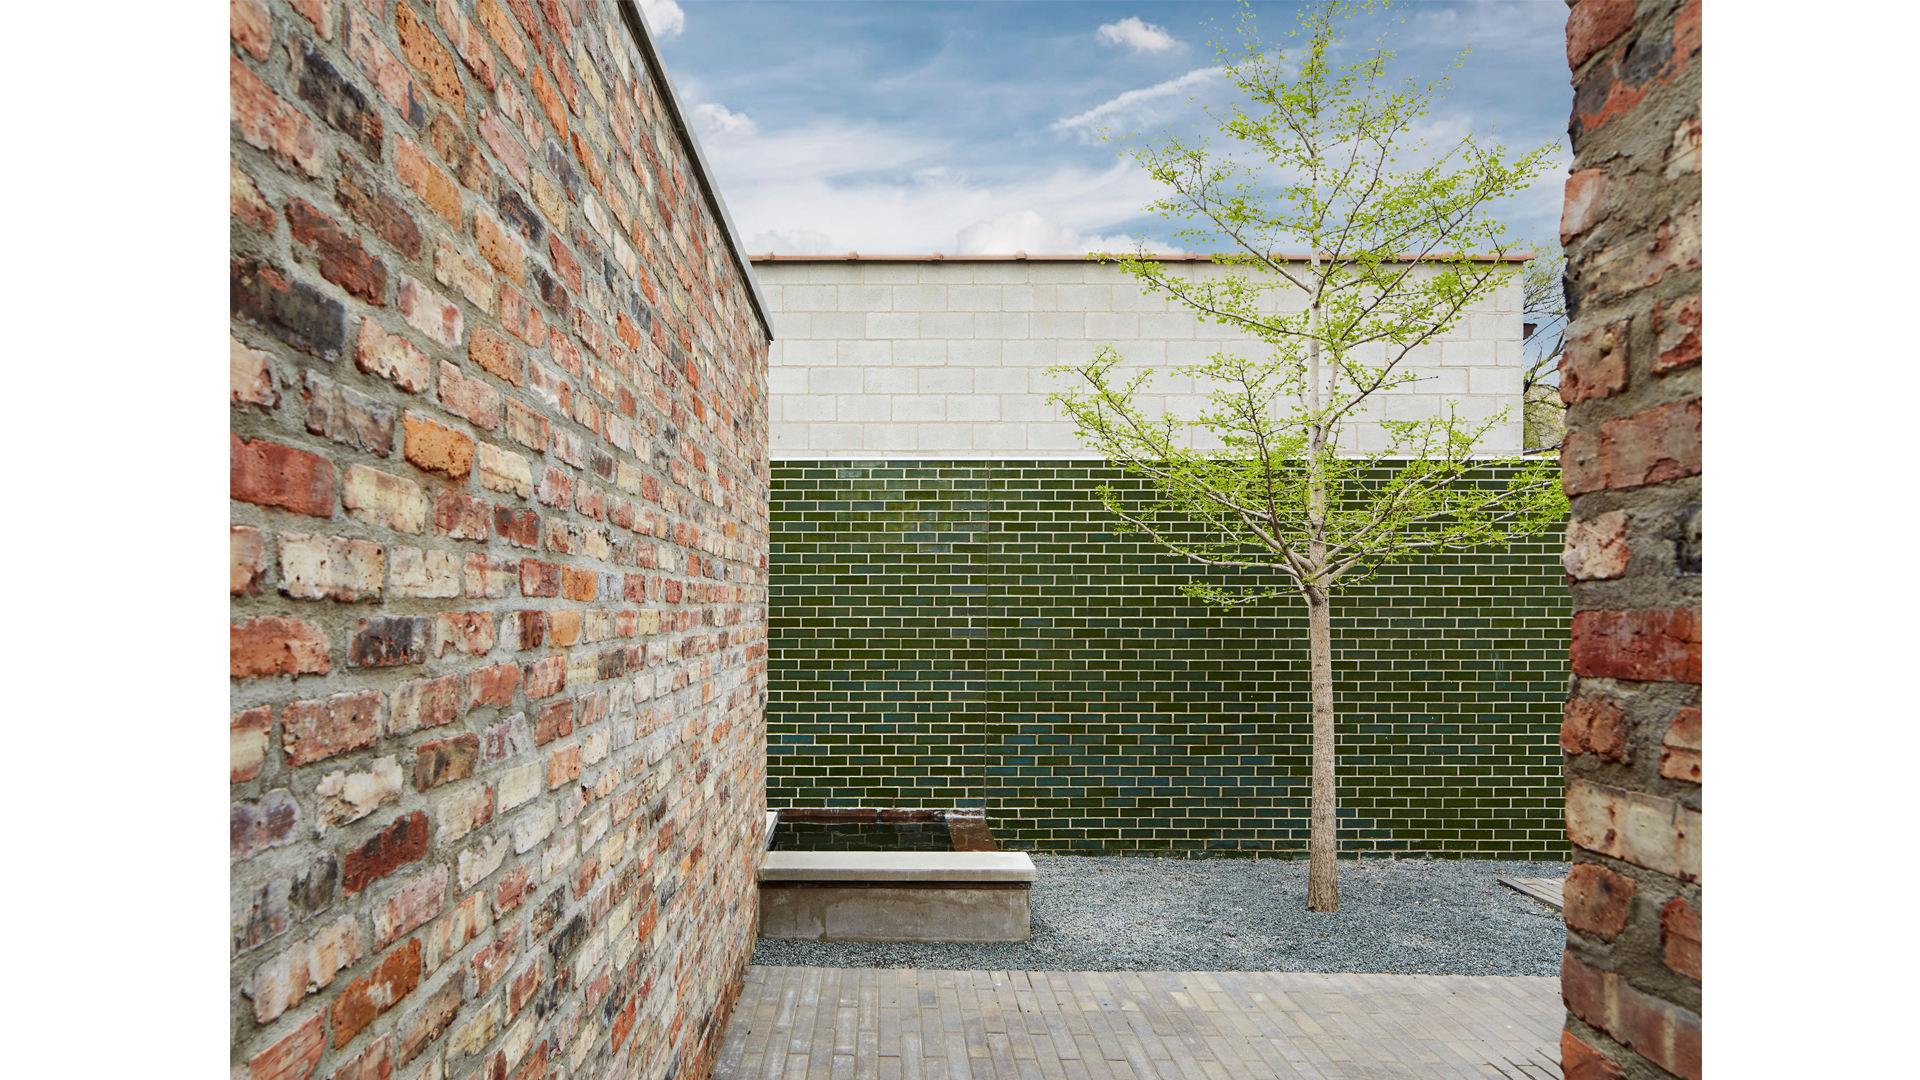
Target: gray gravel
x=1114, y=913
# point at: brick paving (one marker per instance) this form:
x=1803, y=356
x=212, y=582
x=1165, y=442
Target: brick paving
x=812, y=1023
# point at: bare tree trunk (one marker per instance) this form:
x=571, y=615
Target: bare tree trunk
x=1323, y=842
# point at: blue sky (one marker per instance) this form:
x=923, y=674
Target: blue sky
x=909, y=126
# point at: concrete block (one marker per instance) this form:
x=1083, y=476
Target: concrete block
x=839, y=324
x=974, y=298
x=920, y=298
x=919, y=353
x=833, y=436
x=863, y=353
x=888, y=437
x=892, y=324
x=833, y=381
x=1030, y=298
x=889, y=381
x=949, y=324
x=949, y=380
x=983, y=409
x=867, y=298
x=809, y=298
x=862, y=408
x=919, y=407
x=1086, y=297
x=975, y=353
x=1001, y=325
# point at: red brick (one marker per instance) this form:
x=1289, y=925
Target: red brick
x=1578, y=1061
x=563, y=766
x=1594, y=24
x=1645, y=830
x=501, y=29
x=511, y=889
x=269, y=474
x=564, y=263
x=488, y=576
x=1680, y=937
x=445, y=760
x=293, y=1057
x=342, y=260
x=1597, y=547
x=340, y=568
x=1660, y=1031
x=390, y=641
x=268, y=823
x=409, y=907
x=251, y=381
x=427, y=181
x=426, y=1024
x=521, y=317
x=247, y=553
x=494, y=685
x=467, y=41
x=521, y=528
x=388, y=75
x=1680, y=750
x=555, y=722
x=564, y=625
x=462, y=517
x=470, y=632
x=398, y=844
x=391, y=357
x=493, y=352
x=1658, y=444
x=425, y=703
x=346, y=416
x=429, y=312
x=373, y=1063
x=368, y=203
x=384, y=500
x=267, y=122
x=470, y=277
x=462, y=810
x=539, y=578
x=1593, y=725
x=428, y=57
x=546, y=678
x=1595, y=364
x=364, y=999
x=577, y=584
x=435, y=447
x=249, y=730
x=499, y=247
x=1598, y=901
x=245, y=203
x=506, y=146
x=1661, y=646
x=275, y=645
x=469, y=398
x=251, y=26
x=315, y=730
x=1676, y=334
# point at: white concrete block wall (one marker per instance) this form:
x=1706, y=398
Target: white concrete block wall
x=949, y=359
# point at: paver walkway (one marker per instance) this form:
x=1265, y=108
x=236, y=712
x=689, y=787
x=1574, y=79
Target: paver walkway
x=810, y=1023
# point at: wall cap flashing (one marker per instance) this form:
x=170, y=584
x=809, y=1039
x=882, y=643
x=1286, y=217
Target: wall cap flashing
x=1103, y=257
x=637, y=27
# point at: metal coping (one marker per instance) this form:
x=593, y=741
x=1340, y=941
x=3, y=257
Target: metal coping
x=1021, y=256
x=636, y=26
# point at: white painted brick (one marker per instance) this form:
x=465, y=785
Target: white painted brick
x=949, y=380
x=889, y=381
x=839, y=324
x=863, y=353
x=1000, y=380
x=919, y=353
x=945, y=436
x=865, y=408
x=973, y=407
x=865, y=298
x=833, y=381
x=920, y=298
x=808, y=298
x=949, y=324
x=1000, y=436
x=1171, y=325
x=1107, y=326
x=833, y=436
x=1031, y=298
x=1002, y=326
x=808, y=408
x=1060, y=326
x=1496, y=380
x=786, y=380
x=888, y=437
x=893, y=325
x=1086, y=297
x=1467, y=353
x=974, y=298
x=975, y=353
x=917, y=407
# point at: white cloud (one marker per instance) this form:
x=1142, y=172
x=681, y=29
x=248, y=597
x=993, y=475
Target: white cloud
x=716, y=119
x=1141, y=37
x=664, y=17
x=1026, y=231
x=1135, y=106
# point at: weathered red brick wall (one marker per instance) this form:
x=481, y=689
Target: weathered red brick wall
x=499, y=551
x=1631, y=376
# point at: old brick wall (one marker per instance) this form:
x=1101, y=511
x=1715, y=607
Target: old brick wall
x=499, y=551
x=1632, y=466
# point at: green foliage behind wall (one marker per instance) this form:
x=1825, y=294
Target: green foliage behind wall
x=973, y=633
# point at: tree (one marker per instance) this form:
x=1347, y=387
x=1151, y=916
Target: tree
x=1276, y=480
x=1544, y=308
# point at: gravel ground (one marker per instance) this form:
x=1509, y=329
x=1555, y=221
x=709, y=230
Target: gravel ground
x=1112, y=913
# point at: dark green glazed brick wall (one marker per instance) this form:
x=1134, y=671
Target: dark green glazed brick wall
x=973, y=633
